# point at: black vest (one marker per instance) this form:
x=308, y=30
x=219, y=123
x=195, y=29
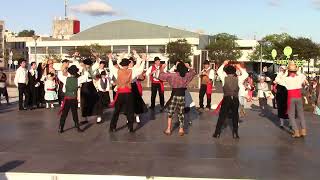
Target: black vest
x=231, y=86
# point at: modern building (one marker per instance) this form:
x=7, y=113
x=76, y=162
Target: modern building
x=2, y=47
x=65, y=28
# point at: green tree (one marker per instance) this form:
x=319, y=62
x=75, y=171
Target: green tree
x=179, y=50
x=26, y=33
x=91, y=51
x=223, y=47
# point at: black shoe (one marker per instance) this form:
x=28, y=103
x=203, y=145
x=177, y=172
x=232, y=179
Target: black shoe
x=84, y=122
x=161, y=109
x=60, y=130
x=131, y=130
x=79, y=130
x=235, y=135
x=151, y=108
x=111, y=130
x=216, y=135
x=23, y=109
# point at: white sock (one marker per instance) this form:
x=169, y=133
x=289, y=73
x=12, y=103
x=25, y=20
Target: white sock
x=47, y=105
x=99, y=119
x=137, y=119
x=281, y=122
x=52, y=106
x=78, y=105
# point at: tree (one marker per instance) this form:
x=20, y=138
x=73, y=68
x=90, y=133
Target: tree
x=91, y=51
x=223, y=47
x=26, y=33
x=179, y=50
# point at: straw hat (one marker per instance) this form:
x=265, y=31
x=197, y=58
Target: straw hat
x=292, y=67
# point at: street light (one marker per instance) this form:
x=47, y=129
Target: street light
x=35, y=38
x=262, y=42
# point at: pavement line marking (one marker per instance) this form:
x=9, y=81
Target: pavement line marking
x=48, y=176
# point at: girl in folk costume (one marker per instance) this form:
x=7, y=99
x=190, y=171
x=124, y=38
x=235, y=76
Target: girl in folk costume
x=136, y=88
x=207, y=79
x=89, y=98
x=251, y=86
x=281, y=96
x=50, y=91
x=179, y=82
x=124, y=98
x=230, y=101
x=103, y=87
x=156, y=83
x=263, y=94
x=70, y=89
x=294, y=81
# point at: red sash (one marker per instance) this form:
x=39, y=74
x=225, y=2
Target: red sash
x=209, y=89
x=64, y=102
x=51, y=89
x=156, y=82
x=139, y=87
x=125, y=90
x=294, y=93
x=216, y=111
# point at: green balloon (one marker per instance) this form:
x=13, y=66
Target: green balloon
x=287, y=51
x=274, y=53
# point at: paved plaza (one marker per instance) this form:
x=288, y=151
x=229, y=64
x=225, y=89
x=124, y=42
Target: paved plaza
x=29, y=142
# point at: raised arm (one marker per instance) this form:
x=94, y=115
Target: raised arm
x=138, y=70
x=113, y=70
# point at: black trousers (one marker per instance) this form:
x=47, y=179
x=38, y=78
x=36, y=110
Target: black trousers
x=125, y=103
x=154, y=88
x=104, y=100
x=23, y=90
x=73, y=105
x=230, y=103
x=202, y=93
x=281, y=99
x=33, y=96
x=113, y=92
x=41, y=93
x=4, y=92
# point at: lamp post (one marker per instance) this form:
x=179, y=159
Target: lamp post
x=35, y=38
x=261, y=42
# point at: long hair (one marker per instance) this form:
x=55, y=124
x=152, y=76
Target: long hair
x=182, y=69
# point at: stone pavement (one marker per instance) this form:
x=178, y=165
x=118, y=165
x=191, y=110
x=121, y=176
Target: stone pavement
x=29, y=142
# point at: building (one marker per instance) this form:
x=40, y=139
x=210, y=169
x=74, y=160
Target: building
x=65, y=28
x=2, y=47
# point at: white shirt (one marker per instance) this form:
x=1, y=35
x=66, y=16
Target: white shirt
x=292, y=83
x=155, y=74
x=262, y=89
x=279, y=77
x=244, y=75
x=136, y=70
x=99, y=85
x=63, y=79
x=211, y=73
x=21, y=76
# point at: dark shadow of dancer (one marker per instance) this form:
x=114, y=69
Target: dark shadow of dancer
x=10, y=166
x=144, y=119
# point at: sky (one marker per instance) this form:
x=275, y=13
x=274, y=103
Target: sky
x=245, y=18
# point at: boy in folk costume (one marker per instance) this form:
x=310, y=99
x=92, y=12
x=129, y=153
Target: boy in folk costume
x=230, y=102
x=207, y=79
x=103, y=87
x=70, y=89
x=178, y=81
x=34, y=83
x=156, y=83
x=281, y=96
x=294, y=81
x=124, y=98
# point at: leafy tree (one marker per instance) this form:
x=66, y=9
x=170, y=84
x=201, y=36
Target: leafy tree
x=179, y=50
x=26, y=33
x=91, y=51
x=223, y=47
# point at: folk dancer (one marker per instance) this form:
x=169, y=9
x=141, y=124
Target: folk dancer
x=207, y=79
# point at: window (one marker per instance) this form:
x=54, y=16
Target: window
x=68, y=49
x=40, y=50
x=156, y=49
x=120, y=49
x=54, y=50
x=139, y=49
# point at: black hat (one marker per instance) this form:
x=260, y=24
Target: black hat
x=206, y=62
x=87, y=61
x=230, y=69
x=114, y=63
x=125, y=62
x=73, y=70
x=103, y=73
x=65, y=61
x=131, y=58
x=103, y=62
x=157, y=59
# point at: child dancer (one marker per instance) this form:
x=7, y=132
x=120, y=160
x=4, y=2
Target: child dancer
x=50, y=91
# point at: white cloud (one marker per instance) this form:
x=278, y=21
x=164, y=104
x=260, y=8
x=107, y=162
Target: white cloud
x=316, y=4
x=94, y=8
x=274, y=3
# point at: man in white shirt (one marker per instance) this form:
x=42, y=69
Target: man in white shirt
x=21, y=81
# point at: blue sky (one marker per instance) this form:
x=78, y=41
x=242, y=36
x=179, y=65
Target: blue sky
x=244, y=18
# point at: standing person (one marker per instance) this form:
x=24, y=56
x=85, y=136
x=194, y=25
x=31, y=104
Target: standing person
x=281, y=96
x=274, y=92
x=50, y=91
x=41, y=77
x=230, y=102
x=33, y=84
x=89, y=98
x=21, y=81
x=263, y=91
x=124, y=98
x=3, y=86
x=156, y=83
x=70, y=88
x=252, y=88
x=102, y=67
x=113, y=79
x=243, y=94
x=63, y=72
x=178, y=81
x=103, y=87
x=206, y=78
x=293, y=81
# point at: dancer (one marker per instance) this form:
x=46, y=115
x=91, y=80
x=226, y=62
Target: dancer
x=3, y=86
x=62, y=72
x=156, y=83
x=103, y=87
x=21, y=81
x=207, y=79
x=124, y=98
x=263, y=94
x=243, y=96
x=230, y=102
x=281, y=96
x=70, y=89
x=178, y=81
x=50, y=91
x=33, y=84
x=293, y=81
